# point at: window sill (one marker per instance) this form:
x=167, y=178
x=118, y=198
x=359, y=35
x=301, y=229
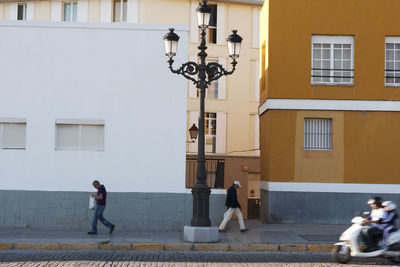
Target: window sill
x=328, y=150
x=392, y=85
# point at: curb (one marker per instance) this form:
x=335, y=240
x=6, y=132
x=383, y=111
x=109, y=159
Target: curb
x=170, y=247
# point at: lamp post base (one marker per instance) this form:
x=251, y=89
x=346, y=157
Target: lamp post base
x=200, y=234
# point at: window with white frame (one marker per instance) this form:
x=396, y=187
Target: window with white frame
x=392, y=61
x=210, y=130
x=332, y=60
x=22, y=10
x=83, y=136
x=12, y=135
x=70, y=11
x=317, y=134
x=120, y=10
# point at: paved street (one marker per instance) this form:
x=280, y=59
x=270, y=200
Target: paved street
x=172, y=258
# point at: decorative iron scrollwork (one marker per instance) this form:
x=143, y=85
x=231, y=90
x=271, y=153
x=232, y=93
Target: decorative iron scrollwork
x=187, y=70
x=215, y=71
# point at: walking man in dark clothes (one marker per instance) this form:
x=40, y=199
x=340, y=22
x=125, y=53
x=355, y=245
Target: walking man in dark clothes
x=100, y=197
x=233, y=206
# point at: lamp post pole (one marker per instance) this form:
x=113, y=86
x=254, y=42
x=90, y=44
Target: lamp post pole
x=206, y=73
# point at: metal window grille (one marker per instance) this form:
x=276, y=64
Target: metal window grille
x=317, y=134
x=392, y=64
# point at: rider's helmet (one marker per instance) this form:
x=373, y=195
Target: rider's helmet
x=376, y=200
x=389, y=205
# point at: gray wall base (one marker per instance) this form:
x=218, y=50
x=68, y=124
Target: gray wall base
x=315, y=208
x=129, y=211
x=200, y=234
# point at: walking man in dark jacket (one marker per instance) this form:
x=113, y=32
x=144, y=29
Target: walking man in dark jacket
x=100, y=197
x=233, y=206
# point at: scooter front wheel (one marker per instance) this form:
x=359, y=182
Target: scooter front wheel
x=341, y=254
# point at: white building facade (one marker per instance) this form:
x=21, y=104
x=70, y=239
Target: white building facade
x=83, y=101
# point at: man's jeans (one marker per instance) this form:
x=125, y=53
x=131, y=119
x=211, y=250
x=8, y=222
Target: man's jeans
x=98, y=215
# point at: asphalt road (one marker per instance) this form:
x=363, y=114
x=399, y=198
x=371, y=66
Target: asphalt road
x=58, y=258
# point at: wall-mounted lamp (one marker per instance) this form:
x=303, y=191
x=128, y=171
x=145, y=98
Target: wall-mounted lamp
x=193, y=131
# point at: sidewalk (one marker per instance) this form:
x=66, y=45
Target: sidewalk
x=287, y=237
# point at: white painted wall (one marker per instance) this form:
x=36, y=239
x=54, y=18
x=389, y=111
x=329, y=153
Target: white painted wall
x=115, y=73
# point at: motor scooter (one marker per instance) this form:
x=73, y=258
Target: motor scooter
x=351, y=240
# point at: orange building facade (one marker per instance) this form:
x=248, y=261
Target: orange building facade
x=330, y=108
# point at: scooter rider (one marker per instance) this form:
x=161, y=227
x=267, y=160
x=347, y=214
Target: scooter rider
x=373, y=233
x=389, y=221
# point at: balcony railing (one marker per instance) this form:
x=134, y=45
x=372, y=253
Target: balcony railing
x=339, y=76
x=215, y=169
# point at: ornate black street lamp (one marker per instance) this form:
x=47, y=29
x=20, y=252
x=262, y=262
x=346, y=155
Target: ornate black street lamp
x=201, y=74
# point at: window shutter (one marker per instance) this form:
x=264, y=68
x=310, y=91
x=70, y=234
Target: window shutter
x=256, y=80
x=83, y=10
x=12, y=11
x=194, y=30
x=30, y=11
x=193, y=118
x=256, y=134
x=221, y=133
x=67, y=136
x=221, y=38
x=1, y=12
x=106, y=11
x=222, y=80
x=92, y=137
x=14, y=135
x=56, y=10
x=256, y=28
x=133, y=11
x=192, y=87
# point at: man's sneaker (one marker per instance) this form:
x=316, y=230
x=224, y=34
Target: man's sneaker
x=112, y=228
x=92, y=233
x=222, y=230
x=244, y=230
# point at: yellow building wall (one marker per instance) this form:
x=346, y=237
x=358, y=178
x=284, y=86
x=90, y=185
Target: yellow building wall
x=277, y=136
x=293, y=22
x=264, y=48
x=372, y=142
x=162, y=11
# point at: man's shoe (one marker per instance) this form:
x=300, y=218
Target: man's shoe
x=92, y=233
x=222, y=231
x=112, y=228
x=244, y=230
